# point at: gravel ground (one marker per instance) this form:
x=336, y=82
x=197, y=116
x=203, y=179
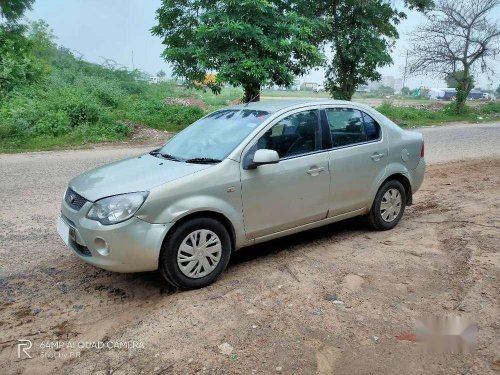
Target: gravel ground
x=273, y=310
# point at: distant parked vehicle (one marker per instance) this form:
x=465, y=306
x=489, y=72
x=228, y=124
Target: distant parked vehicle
x=451, y=94
x=478, y=95
x=239, y=176
x=154, y=80
x=442, y=94
x=319, y=88
x=293, y=88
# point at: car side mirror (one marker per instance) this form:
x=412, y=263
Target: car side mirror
x=263, y=157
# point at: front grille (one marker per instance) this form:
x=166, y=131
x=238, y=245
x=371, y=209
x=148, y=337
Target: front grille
x=75, y=200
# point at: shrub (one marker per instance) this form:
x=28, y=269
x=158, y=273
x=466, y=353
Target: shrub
x=52, y=124
x=490, y=108
x=166, y=117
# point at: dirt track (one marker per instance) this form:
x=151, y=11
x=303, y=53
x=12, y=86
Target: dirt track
x=274, y=304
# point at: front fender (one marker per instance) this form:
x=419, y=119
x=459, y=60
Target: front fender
x=215, y=190
x=205, y=203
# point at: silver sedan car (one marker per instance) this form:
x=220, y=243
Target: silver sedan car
x=240, y=176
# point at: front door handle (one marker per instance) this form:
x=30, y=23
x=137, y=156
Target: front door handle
x=377, y=157
x=314, y=171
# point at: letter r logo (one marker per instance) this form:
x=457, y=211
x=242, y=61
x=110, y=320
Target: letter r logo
x=24, y=346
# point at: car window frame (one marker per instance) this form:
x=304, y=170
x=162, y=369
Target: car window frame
x=364, y=113
x=272, y=122
x=326, y=124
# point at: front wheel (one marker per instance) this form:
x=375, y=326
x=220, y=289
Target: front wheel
x=195, y=254
x=388, y=206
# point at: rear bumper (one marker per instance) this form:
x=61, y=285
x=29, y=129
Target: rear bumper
x=131, y=246
x=417, y=176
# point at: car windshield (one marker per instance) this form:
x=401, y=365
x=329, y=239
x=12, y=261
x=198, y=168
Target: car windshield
x=213, y=137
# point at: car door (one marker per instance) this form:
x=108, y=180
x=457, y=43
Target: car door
x=294, y=191
x=358, y=156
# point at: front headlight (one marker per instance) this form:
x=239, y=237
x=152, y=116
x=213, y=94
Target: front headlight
x=113, y=210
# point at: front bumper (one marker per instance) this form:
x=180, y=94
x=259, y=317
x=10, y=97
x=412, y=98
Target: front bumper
x=131, y=246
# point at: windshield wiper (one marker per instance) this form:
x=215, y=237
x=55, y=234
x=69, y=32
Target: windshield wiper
x=163, y=155
x=203, y=161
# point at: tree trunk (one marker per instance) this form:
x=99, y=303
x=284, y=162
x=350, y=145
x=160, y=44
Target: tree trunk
x=252, y=92
x=344, y=91
x=463, y=88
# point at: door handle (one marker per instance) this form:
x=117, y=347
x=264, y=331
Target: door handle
x=377, y=157
x=314, y=171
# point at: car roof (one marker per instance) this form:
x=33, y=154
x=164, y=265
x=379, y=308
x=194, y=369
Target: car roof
x=275, y=105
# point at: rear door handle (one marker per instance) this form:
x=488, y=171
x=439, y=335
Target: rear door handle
x=377, y=157
x=314, y=171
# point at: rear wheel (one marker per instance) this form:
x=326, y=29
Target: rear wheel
x=388, y=206
x=196, y=253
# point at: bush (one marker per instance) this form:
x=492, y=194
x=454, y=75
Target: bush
x=108, y=92
x=18, y=64
x=52, y=124
x=490, y=108
x=166, y=117
x=409, y=116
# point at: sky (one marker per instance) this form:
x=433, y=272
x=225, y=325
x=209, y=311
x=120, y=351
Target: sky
x=120, y=30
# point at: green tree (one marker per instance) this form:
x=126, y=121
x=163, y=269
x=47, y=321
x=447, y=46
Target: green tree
x=498, y=89
x=383, y=91
x=161, y=74
x=453, y=79
x=405, y=91
x=13, y=10
x=42, y=39
x=361, y=35
x=247, y=42
x=18, y=63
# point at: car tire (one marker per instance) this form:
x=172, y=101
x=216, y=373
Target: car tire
x=176, y=262
x=388, y=206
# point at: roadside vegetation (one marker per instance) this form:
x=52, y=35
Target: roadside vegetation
x=51, y=98
x=409, y=116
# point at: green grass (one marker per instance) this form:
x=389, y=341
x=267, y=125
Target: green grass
x=415, y=117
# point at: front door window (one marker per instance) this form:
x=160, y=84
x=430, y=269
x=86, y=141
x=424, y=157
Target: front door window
x=294, y=135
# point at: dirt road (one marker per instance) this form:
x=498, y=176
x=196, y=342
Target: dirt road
x=274, y=307
x=461, y=142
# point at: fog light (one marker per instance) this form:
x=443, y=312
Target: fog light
x=101, y=246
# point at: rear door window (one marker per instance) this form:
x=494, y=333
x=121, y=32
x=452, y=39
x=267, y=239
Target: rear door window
x=346, y=126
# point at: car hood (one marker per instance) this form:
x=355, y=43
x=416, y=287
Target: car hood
x=140, y=173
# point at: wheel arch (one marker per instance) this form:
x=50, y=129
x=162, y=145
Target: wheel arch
x=223, y=219
x=404, y=181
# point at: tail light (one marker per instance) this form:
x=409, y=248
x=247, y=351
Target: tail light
x=422, y=150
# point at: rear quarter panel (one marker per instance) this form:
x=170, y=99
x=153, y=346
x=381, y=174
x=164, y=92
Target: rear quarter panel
x=405, y=147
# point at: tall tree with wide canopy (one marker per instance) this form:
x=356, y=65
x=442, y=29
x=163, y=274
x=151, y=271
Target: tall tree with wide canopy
x=458, y=36
x=246, y=42
x=361, y=35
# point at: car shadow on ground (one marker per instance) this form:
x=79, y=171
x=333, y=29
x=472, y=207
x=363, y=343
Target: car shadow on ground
x=298, y=240
x=137, y=283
